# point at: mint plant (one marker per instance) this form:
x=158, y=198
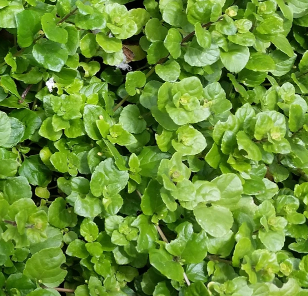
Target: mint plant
x=154, y=149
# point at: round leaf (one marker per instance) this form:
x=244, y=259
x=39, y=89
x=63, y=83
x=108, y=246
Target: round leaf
x=215, y=220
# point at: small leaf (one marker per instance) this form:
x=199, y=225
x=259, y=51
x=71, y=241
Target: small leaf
x=169, y=71
x=134, y=80
x=50, y=55
x=131, y=119
x=173, y=42
x=107, y=179
x=164, y=263
x=236, y=58
x=28, y=24
x=45, y=266
x=51, y=30
x=215, y=220
x=108, y=44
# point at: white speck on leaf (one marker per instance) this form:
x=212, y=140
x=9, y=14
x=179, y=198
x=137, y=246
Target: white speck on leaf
x=50, y=83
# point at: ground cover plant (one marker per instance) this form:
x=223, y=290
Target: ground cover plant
x=153, y=148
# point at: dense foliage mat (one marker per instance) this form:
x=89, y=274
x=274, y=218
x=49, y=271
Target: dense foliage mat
x=155, y=148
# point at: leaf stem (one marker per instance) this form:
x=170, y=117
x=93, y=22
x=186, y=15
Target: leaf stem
x=162, y=235
x=216, y=258
x=63, y=290
x=67, y=16
x=164, y=238
x=10, y=222
x=13, y=223
x=24, y=94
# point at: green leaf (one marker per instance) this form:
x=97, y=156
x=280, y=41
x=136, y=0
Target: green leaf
x=172, y=42
x=73, y=41
x=47, y=130
x=16, y=188
x=282, y=43
x=35, y=171
x=77, y=249
x=246, y=144
x=89, y=206
x=199, y=57
x=272, y=240
x=88, y=45
x=203, y=11
x=17, y=133
x=50, y=55
x=147, y=234
x=109, y=44
x=271, y=24
x=164, y=263
x=196, y=289
x=169, y=71
x=9, y=85
x=188, y=245
x=5, y=128
x=131, y=120
x=260, y=62
x=203, y=36
x=28, y=24
x=154, y=30
x=51, y=30
x=19, y=282
x=150, y=158
x=44, y=292
x=151, y=202
x=215, y=220
x=59, y=216
x=236, y=58
x=89, y=230
x=156, y=51
x=107, y=180
x=93, y=21
x=189, y=141
x=230, y=188
x=30, y=119
x=8, y=13
x=45, y=266
x=134, y=80
x=91, y=114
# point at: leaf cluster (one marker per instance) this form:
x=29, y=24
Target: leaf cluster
x=153, y=150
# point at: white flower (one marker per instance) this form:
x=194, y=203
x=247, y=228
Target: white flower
x=50, y=83
x=96, y=31
x=124, y=65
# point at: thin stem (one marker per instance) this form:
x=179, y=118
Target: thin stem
x=24, y=94
x=13, y=223
x=63, y=290
x=191, y=34
x=67, y=16
x=216, y=258
x=138, y=192
x=10, y=222
x=164, y=238
x=162, y=235
x=186, y=279
x=120, y=103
